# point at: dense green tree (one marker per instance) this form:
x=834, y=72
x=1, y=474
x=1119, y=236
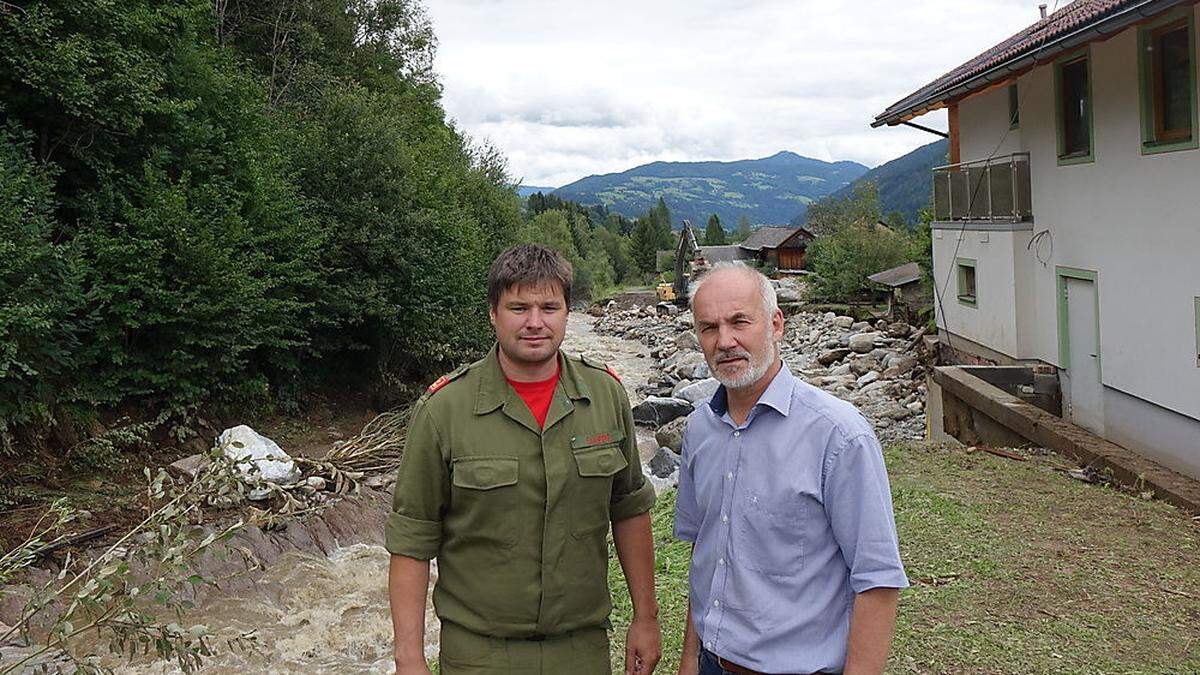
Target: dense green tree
x=743, y=231
x=215, y=203
x=861, y=206
x=714, y=234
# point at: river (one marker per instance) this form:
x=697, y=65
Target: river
x=318, y=614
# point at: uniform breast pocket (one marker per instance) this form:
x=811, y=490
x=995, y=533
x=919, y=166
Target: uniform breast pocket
x=769, y=532
x=595, y=465
x=485, y=495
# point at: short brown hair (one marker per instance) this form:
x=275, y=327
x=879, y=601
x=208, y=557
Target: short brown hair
x=528, y=265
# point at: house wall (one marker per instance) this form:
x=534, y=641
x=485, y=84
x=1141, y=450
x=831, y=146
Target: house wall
x=1133, y=219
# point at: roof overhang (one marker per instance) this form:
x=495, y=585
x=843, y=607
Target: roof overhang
x=1102, y=28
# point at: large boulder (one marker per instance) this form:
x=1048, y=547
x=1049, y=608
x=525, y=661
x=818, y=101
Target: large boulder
x=671, y=435
x=686, y=341
x=843, y=321
x=864, y=342
x=697, y=392
x=832, y=356
x=656, y=411
x=900, y=366
x=688, y=366
x=259, y=459
x=664, y=463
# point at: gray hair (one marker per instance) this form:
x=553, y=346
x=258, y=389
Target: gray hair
x=769, y=300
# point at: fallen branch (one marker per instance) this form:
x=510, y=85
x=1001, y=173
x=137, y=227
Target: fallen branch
x=1172, y=591
x=999, y=452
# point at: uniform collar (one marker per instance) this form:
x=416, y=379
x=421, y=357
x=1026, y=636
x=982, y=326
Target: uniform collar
x=778, y=394
x=494, y=390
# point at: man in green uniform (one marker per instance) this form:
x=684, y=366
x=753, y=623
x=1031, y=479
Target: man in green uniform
x=514, y=467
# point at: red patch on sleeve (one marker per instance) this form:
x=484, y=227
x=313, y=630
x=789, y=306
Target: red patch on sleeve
x=601, y=438
x=613, y=373
x=438, y=384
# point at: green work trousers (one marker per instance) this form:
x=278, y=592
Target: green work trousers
x=580, y=652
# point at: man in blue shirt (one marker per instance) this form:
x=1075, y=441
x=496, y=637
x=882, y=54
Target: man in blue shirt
x=783, y=493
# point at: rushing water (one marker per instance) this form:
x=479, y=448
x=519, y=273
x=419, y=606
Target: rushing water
x=317, y=614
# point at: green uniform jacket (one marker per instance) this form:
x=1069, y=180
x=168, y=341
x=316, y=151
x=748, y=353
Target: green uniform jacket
x=518, y=516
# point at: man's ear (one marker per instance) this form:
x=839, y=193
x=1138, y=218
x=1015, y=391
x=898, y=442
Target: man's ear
x=492, y=316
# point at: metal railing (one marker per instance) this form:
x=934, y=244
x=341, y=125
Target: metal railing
x=984, y=189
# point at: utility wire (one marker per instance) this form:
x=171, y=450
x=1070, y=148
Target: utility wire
x=939, y=293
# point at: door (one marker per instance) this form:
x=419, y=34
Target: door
x=1085, y=393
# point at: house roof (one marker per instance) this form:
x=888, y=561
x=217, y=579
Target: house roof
x=898, y=276
x=716, y=254
x=1078, y=23
x=772, y=237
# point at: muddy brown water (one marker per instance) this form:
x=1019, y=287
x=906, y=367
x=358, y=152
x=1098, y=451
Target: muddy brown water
x=318, y=614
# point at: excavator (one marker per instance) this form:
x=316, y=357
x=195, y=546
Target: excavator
x=687, y=255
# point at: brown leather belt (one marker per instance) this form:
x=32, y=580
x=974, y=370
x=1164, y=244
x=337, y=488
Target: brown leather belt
x=732, y=667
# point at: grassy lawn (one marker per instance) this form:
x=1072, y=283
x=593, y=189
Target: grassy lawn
x=1015, y=568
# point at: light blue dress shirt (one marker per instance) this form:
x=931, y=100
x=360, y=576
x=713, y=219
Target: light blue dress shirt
x=791, y=516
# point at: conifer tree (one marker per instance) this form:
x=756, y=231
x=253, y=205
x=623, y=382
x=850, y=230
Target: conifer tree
x=714, y=234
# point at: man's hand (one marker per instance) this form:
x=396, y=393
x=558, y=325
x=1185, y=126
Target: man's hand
x=643, y=646
x=689, y=666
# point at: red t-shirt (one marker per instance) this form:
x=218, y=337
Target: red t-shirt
x=537, y=396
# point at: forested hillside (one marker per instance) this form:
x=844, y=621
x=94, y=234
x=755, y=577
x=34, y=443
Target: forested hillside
x=772, y=190
x=230, y=203
x=905, y=184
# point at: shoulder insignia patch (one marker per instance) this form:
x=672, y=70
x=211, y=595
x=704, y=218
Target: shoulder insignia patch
x=444, y=380
x=599, y=365
x=438, y=384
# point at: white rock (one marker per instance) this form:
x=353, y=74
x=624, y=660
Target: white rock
x=699, y=391
x=843, y=321
x=315, y=482
x=259, y=458
x=863, y=342
x=868, y=378
x=843, y=369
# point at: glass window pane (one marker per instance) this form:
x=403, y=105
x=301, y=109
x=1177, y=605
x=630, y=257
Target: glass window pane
x=1076, y=134
x=1174, y=79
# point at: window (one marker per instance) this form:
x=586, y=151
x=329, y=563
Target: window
x=1073, y=88
x=1014, y=107
x=1168, y=85
x=966, y=281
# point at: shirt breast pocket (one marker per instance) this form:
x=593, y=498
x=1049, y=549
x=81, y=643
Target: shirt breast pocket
x=596, y=465
x=485, y=492
x=769, y=533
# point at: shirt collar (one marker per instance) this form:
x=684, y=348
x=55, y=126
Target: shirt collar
x=778, y=394
x=494, y=389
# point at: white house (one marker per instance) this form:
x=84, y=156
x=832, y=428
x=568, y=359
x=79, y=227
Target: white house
x=1068, y=221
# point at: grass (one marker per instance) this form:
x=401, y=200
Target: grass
x=1014, y=567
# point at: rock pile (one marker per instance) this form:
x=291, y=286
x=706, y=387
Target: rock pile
x=875, y=366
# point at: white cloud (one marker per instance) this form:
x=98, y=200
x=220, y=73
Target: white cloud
x=573, y=87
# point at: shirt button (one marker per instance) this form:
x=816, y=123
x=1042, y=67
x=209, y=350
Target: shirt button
x=716, y=603
x=729, y=475
x=737, y=433
x=709, y=646
x=721, y=562
x=724, y=518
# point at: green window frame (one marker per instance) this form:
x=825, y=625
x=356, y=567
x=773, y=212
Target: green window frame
x=1014, y=107
x=968, y=282
x=1153, y=138
x=1082, y=58
x=1197, y=317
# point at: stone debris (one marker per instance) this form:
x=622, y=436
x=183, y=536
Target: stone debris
x=259, y=459
x=656, y=411
x=664, y=463
x=865, y=363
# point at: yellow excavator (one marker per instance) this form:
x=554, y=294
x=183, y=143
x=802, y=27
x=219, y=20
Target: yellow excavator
x=687, y=260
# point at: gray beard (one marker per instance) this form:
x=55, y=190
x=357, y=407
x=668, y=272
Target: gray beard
x=754, y=371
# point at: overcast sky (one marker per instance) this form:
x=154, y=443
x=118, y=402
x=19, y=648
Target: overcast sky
x=568, y=88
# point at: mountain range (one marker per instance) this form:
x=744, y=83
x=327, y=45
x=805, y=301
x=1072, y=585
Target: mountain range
x=905, y=183
x=771, y=190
